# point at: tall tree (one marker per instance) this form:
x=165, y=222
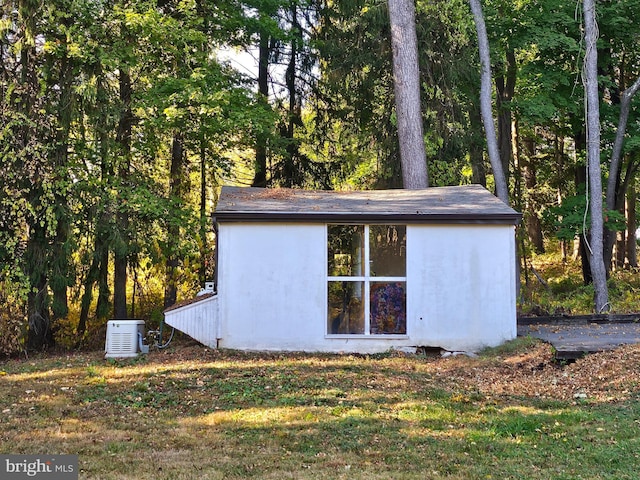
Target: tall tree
x=406, y=78
x=122, y=245
x=260, y=175
x=33, y=159
x=505, y=89
x=177, y=190
x=61, y=68
x=614, y=193
x=485, y=102
x=590, y=72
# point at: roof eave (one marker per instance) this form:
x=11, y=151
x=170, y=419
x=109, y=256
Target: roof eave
x=326, y=217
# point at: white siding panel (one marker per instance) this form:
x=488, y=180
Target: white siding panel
x=199, y=320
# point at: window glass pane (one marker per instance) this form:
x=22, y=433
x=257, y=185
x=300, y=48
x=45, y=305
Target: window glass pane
x=388, y=308
x=388, y=250
x=346, y=252
x=346, y=309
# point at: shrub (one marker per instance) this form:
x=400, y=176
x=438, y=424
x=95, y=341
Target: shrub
x=13, y=319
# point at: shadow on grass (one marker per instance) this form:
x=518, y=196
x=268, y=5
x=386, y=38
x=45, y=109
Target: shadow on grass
x=304, y=416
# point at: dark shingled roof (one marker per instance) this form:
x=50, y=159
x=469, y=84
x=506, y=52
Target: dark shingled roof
x=189, y=301
x=462, y=204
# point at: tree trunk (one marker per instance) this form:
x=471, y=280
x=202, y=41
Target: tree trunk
x=103, y=305
x=616, y=154
x=615, y=192
x=40, y=334
x=291, y=176
x=585, y=264
x=590, y=72
x=500, y=179
x=99, y=268
x=176, y=187
x=60, y=252
x=104, y=225
x=260, y=174
x=620, y=250
x=632, y=259
x=558, y=154
x=87, y=296
x=406, y=76
x=204, y=220
x=476, y=149
x=120, y=286
x=579, y=247
x=121, y=248
x=505, y=88
x=521, y=254
x=531, y=218
x=36, y=253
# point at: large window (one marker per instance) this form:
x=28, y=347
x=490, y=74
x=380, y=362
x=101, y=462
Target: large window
x=367, y=279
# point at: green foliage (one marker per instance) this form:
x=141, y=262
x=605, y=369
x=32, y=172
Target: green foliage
x=13, y=295
x=565, y=291
x=513, y=347
x=572, y=218
x=71, y=173
x=354, y=113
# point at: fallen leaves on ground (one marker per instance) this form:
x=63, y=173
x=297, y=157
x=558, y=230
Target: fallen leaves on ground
x=531, y=372
x=606, y=376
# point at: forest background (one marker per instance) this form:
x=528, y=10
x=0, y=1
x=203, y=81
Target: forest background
x=120, y=119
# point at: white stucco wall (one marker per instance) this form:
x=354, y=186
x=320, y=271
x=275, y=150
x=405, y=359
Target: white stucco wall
x=272, y=288
x=271, y=283
x=461, y=295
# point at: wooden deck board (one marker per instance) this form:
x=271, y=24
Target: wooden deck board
x=574, y=337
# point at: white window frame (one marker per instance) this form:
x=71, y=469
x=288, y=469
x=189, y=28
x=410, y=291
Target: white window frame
x=367, y=279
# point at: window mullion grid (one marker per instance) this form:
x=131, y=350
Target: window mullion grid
x=367, y=286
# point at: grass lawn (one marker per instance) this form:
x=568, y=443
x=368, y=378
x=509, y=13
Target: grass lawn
x=192, y=413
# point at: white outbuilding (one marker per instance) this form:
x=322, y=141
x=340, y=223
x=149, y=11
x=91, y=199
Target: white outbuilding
x=358, y=271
